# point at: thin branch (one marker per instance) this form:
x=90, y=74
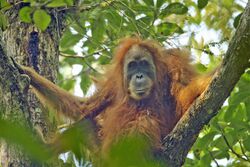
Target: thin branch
x=83, y=8
x=230, y=147
x=84, y=60
x=85, y=56
x=131, y=20
x=137, y=26
x=243, y=151
x=212, y=156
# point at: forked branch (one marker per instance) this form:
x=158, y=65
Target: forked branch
x=236, y=61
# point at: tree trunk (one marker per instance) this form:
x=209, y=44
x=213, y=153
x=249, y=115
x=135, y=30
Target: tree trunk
x=30, y=47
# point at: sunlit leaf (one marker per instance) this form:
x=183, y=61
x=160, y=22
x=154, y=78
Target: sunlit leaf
x=60, y=3
x=85, y=83
x=3, y=21
x=200, y=67
x=41, y=19
x=56, y=3
x=167, y=28
x=175, y=8
x=25, y=14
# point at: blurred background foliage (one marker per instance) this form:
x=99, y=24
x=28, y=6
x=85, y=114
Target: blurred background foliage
x=94, y=28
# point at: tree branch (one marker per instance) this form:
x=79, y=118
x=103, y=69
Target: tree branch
x=180, y=140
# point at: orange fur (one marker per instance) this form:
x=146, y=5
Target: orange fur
x=177, y=86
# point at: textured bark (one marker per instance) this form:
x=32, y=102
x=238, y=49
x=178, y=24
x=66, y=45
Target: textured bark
x=33, y=48
x=180, y=140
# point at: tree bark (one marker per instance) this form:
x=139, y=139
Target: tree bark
x=40, y=50
x=237, y=59
x=31, y=47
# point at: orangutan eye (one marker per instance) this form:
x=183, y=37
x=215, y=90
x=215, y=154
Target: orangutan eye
x=143, y=63
x=132, y=64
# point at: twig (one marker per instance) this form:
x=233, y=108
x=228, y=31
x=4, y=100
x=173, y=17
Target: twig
x=131, y=20
x=230, y=147
x=243, y=151
x=213, y=159
x=202, y=50
x=135, y=25
x=83, y=58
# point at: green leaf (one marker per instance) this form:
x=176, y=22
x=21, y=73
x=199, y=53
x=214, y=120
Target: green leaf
x=3, y=21
x=138, y=149
x=56, y=3
x=69, y=40
x=85, y=83
x=68, y=84
x=4, y=5
x=247, y=105
x=25, y=13
x=41, y=19
x=174, y=8
x=202, y=3
x=240, y=113
x=15, y=134
x=60, y=3
x=220, y=154
x=159, y=3
x=200, y=67
x=69, y=52
x=205, y=160
x=205, y=140
x=80, y=28
x=149, y=2
x=168, y=28
x=237, y=98
x=98, y=29
x=237, y=20
x=246, y=143
x=114, y=19
x=69, y=2
x=103, y=60
x=219, y=143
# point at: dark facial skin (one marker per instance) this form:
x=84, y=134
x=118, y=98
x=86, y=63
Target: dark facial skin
x=139, y=72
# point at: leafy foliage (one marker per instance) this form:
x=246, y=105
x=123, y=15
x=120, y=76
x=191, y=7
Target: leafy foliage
x=227, y=135
x=96, y=26
x=41, y=19
x=202, y=3
x=17, y=135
